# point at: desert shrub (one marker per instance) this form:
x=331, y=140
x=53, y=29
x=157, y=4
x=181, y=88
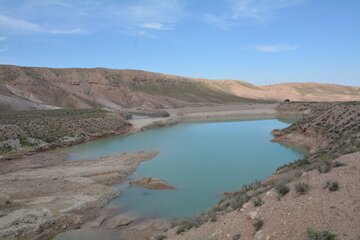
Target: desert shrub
x=324, y=167
x=301, y=187
x=238, y=200
x=320, y=235
x=251, y=186
x=184, y=226
x=332, y=185
x=160, y=237
x=258, y=223
x=258, y=202
x=212, y=215
x=338, y=164
x=282, y=189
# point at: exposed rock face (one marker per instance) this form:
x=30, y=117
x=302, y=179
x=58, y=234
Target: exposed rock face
x=151, y=183
x=120, y=221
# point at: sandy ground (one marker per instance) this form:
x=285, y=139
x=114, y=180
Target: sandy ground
x=289, y=217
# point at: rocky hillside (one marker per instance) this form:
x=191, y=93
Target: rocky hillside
x=328, y=130
x=23, y=88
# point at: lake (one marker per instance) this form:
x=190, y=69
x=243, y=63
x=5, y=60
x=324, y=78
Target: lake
x=200, y=159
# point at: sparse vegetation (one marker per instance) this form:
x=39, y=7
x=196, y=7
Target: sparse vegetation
x=160, y=237
x=257, y=202
x=282, y=189
x=332, y=185
x=258, y=223
x=338, y=164
x=37, y=127
x=320, y=235
x=301, y=188
x=324, y=167
x=336, y=124
x=188, y=224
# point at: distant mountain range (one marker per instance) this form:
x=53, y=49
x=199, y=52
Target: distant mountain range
x=24, y=88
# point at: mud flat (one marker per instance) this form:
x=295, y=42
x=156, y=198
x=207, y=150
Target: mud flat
x=40, y=201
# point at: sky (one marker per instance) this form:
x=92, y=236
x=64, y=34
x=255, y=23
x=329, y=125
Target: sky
x=259, y=41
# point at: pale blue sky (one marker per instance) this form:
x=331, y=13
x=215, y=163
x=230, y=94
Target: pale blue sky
x=260, y=41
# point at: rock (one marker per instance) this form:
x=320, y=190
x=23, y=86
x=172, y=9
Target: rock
x=251, y=215
x=25, y=222
x=98, y=221
x=236, y=237
x=158, y=224
x=217, y=234
x=5, y=200
x=151, y=183
x=120, y=220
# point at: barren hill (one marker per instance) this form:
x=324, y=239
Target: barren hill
x=307, y=91
x=47, y=88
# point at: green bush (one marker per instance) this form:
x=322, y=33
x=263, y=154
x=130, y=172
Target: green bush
x=302, y=187
x=320, y=235
x=282, y=189
x=258, y=223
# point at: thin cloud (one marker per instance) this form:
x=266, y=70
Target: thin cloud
x=18, y=24
x=156, y=26
x=135, y=17
x=275, y=48
x=153, y=15
x=260, y=11
x=15, y=25
x=3, y=38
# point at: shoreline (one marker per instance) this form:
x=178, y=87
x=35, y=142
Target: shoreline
x=179, y=115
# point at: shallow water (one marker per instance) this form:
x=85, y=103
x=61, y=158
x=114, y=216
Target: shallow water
x=202, y=160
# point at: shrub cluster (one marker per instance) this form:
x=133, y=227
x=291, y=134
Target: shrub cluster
x=301, y=188
x=320, y=235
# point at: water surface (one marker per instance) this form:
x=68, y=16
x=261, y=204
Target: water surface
x=202, y=160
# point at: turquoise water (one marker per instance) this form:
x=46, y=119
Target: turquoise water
x=202, y=160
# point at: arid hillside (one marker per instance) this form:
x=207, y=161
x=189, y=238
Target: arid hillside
x=43, y=88
x=310, y=92
x=23, y=88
